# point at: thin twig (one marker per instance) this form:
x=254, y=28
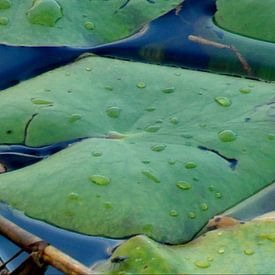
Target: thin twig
x=47, y=253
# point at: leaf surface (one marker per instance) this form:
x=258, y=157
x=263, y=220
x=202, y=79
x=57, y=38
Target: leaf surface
x=167, y=148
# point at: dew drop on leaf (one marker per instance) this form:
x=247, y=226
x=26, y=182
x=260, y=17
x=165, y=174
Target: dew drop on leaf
x=5, y=4
x=202, y=264
x=227, y=136
x=4, y=21
x=99, y=180
x=223, y=101
x=113, y=112
x=150, y=176
x=158, y=147
x=190, y=165
x=183, y=185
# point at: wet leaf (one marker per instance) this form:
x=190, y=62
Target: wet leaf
x=76, y=23
x=138, y=172
x=241, y=249
x=250, y=18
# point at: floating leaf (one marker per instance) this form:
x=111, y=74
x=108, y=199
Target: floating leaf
x=165, y=183
x=241, y=249
x=250, y=18
x=74, y=22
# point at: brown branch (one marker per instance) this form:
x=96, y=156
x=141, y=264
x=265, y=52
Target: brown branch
x=44, y=252
x=203, y=41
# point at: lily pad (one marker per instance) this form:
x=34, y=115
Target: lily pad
x=241, y=249
x=155, y=162
x=75, y=23
x=250, y=18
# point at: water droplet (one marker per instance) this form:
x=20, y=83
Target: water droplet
x=146, y=161
x=99, y=180
x=177, y=74
x=210, y=259
x=220, y=233
x=109, y=88
x=267, y=236
x=159, y=121
x=113, y=112
x=88, y=69
x=152, y=128
x=44, y=12
x=89, y=25
x=107, y=205
x=204, y=206
x=202, y=264
x=5, y=4
x=115, y=135
x=74, y=117
x=223, y=101
x=158, y=147
x=97, y=154
x=150, y=176
x=73, y=196
x=174, y=120
x=221, y=251
x=4, y=21
x=190, y=165
x=227, y=136
x=150, y=109
x=172, y=161
x=141, y=85
x=186, y=136
x=168, y=90
x=41, y=101
x=271, y=136
x=218, y=195
x=192, y=215
x=248, y=251
x=183, y=185
x=173, y=213
x=245, y=90
x=211, y=187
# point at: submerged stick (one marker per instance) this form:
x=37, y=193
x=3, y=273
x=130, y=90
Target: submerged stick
x=44, y=252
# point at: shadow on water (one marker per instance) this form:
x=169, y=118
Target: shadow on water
x=185, y=37
x=85, y=249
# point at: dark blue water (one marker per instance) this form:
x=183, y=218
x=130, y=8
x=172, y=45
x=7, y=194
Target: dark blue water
x=187, y=38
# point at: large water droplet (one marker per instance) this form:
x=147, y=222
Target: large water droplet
x=109, y=88
x=73, y=196
x=190, y=165
x=267, y=236
x=150, y=176
x=174, y=120
x=152, y=128
x=204, y=206
x=97, y=154
x=41, y=101
x=150, y=109
x=223, y=101
x=5, y=4
x=183, y=185
x=99, y=180
x=158, y=147
x=248, y=251
x=141, y=85
x=44, y=12
x=173, y=213
x=227, y=136
x=113, y=112
x=202, y=264
x=89, y=25
x=192, y=215
x=4, y=21
x=221, y=251
x=245, y=90
x=218, y=195
x=74, y=117
x=211, y=187
x=107, y=205
x=168, y=90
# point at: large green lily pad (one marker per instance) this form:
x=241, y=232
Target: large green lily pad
x=241, y=249
x=74, y=22
x=252, y=18
x=168, y=148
